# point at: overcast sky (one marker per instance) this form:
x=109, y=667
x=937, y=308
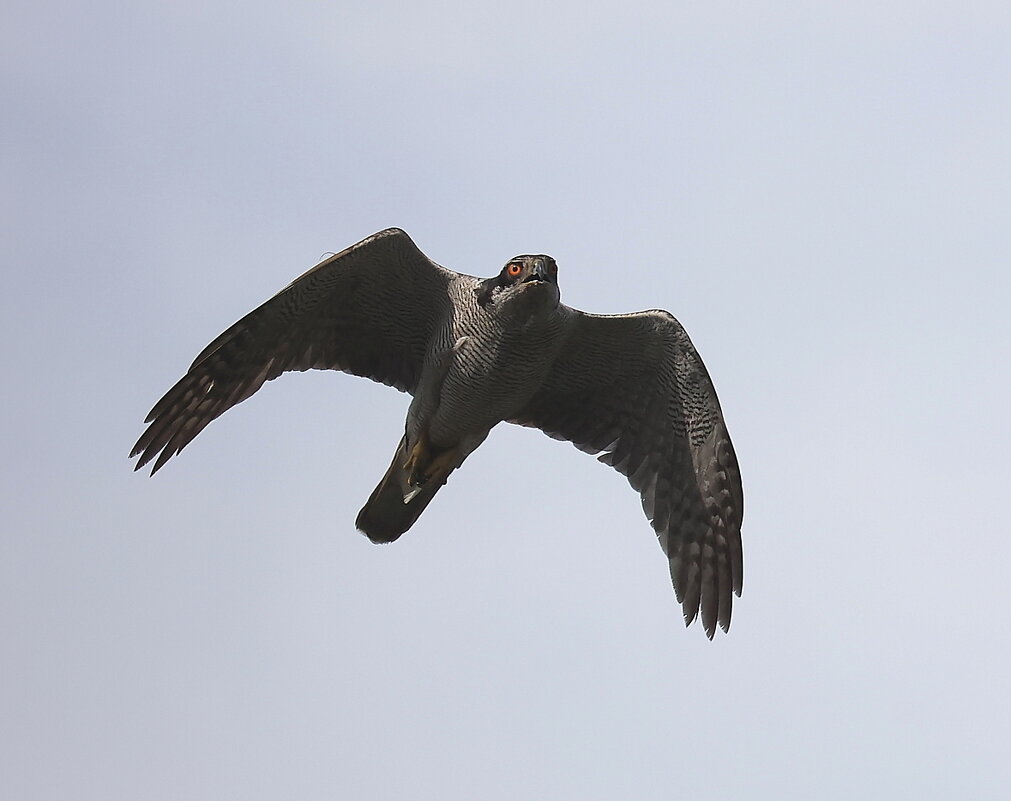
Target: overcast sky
x=820, y=193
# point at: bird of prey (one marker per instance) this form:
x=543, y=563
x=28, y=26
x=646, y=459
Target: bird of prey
x=473, y=353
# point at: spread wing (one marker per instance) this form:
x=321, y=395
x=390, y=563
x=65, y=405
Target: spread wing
x=634, y=387
x=369, y=310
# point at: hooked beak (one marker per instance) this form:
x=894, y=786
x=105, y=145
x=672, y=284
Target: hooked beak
x=538, y=273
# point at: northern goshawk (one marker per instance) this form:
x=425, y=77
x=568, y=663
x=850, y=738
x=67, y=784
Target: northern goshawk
x=473, y=353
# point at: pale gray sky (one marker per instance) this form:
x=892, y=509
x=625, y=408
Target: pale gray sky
x=820, y=193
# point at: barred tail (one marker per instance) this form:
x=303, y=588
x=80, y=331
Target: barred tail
x=386, y=515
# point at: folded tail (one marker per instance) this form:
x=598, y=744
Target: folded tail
x=386, y=515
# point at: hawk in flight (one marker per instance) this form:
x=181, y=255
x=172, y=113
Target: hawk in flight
x=473, y=353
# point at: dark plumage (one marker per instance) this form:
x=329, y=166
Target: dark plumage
x=473, y=353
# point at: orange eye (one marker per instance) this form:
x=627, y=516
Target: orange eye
x=513, y=270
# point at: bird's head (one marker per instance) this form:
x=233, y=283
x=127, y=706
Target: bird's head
x=524, y=276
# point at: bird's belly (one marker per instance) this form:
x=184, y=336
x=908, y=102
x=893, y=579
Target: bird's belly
x=474, y=399
x=493, y=368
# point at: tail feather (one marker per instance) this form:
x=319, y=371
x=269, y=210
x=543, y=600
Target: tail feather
x=386, y=515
